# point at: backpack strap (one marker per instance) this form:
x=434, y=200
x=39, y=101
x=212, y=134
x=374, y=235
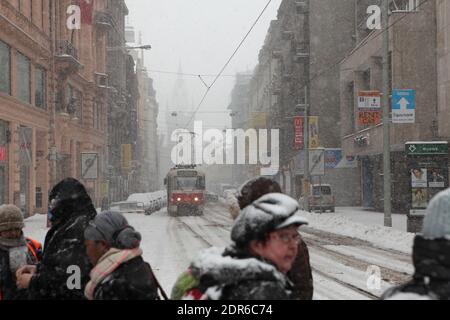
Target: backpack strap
x=158, y=285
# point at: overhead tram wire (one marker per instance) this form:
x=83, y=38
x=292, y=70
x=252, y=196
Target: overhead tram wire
x=227, y=63
x=318, y=74
x=195, y=75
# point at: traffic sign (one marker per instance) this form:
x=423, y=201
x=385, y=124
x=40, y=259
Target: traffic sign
x=89, y=166
x=316, y=162
x=369, y=108
x=403, y=106
x=369, y=100
x=427, y=148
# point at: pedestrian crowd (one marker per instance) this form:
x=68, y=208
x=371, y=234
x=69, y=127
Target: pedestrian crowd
x=90, y=256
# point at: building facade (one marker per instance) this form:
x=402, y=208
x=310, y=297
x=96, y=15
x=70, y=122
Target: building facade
x=413, y=65
x=293, y=77
x=26, y=42
x=63, y=87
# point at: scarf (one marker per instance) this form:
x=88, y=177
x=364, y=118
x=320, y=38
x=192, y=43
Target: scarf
x=6, y=244
x=106, y=265
x=17, y=250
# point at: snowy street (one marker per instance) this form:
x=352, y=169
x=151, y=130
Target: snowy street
x=340, y=263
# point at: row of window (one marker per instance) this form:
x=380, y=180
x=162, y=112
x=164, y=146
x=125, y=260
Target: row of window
x=23, y=79
x=24, y=71
x=74, y=103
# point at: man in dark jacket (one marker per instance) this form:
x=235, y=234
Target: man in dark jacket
x=431, y=258
x=64, y=270
x=16, y=251
x=120, y=273
x=301, y=273
x=265, y=241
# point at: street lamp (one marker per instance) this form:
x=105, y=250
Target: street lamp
x=143, y=47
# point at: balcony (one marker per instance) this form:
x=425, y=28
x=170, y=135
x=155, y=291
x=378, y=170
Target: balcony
x=103, y=20
x=67, y=56
x=65, y=48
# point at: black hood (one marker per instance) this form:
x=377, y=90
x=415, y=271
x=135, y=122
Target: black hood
x=432, y=258
x=68, y=199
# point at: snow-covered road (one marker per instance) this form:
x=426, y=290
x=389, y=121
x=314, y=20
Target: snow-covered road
x=340, y=263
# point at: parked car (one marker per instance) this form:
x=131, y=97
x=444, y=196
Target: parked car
x=321, y=199
x=128, y=207
x=229, y=193
x=158, y=204
x=211, y=197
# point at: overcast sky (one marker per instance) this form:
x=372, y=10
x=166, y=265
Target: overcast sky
x=200, y=35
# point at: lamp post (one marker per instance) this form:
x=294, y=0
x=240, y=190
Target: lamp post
x=386, y=118
x=142, y=47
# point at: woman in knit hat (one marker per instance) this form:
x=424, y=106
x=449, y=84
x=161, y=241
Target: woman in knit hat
x=15, y=251
x=431, y=256
x=255, y=267
x=301, y=272
x=120, y=272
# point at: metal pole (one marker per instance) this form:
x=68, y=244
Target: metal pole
x=386, y=118
x=306, y=174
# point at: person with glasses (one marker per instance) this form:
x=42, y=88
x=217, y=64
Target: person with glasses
x=264, y=246
x=301, y=271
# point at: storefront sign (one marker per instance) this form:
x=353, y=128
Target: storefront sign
x=25, y=144
x=298, y=133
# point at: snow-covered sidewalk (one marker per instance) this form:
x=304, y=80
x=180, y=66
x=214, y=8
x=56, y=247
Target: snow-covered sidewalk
x=364, y=225
x=360, y=215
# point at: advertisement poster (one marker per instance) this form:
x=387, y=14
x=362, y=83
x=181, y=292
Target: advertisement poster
x=298, y=133
x=366, y=118
x=332, y=158
x=369, y=108
x=419, y=178
x=314, y=141
x=436, y=178
x=419, y=198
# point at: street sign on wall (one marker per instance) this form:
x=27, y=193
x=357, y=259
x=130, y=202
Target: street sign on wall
x=89, y=166
x=427, y=148
x=369, y=108
x=316, y=162
x=366, y=118
x=369, y=100
x=403, y=106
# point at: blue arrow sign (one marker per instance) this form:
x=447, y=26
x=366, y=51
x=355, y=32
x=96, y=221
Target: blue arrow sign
x=403, y=99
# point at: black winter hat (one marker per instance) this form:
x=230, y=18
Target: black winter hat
x=271, y=212
x=254, y=189
x=69, y=198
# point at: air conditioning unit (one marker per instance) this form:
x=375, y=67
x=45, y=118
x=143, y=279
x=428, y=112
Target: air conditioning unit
x=404, y=5
x=101, y=80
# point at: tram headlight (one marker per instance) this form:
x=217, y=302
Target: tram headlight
x=178, y=199
x=196, y=199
